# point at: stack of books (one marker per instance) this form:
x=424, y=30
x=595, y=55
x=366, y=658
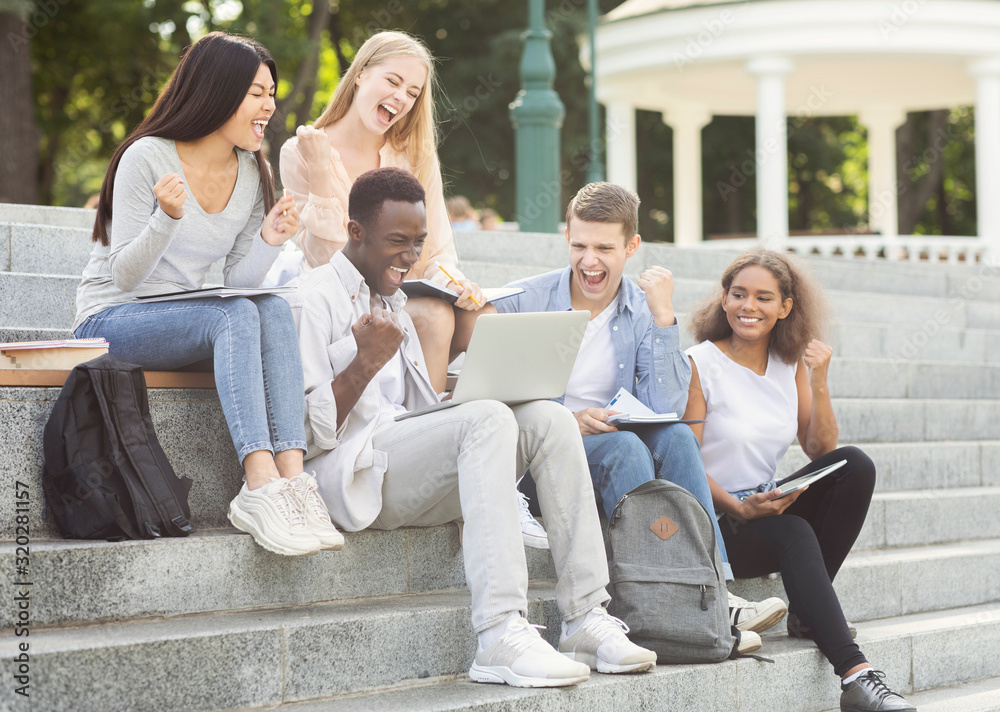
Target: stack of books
x=58, y=355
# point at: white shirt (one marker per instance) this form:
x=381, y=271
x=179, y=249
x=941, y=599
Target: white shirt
x=392, y=386
x=750, y=419
x=348, y=468
x=593, y=381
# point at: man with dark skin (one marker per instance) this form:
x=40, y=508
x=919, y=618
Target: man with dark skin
x=363, y=365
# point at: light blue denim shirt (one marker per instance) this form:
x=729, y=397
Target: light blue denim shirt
x=648, y=358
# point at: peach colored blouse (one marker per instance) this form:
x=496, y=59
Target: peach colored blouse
x=323, y=229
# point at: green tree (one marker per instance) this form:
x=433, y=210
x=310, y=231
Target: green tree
x=19, y=159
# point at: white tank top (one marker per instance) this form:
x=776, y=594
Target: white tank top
x=750, y=419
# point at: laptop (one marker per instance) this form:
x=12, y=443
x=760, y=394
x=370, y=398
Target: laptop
x=516, y=358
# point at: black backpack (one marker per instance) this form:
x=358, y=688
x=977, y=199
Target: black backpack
x=667, y=583
x=105, y=475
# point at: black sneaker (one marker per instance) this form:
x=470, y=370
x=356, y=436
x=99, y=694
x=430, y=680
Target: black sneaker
x=869, y=693
x=797, y=629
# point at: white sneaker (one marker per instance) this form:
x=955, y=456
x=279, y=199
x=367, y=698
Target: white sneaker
x=521, y=658
x=532, y=532
x=748, y=642
x=601, y=643
x=273, y=515
x=755, y=616
x=317, y=515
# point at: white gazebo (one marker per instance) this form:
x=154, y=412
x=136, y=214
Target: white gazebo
x=774, y=59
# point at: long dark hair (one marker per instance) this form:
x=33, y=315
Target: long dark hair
x=205, y=90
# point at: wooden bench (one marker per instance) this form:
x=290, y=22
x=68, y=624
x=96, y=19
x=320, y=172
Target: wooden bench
x=154, y=379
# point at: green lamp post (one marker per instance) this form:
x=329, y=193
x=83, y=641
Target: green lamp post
x=537, y=115
x=595, y=171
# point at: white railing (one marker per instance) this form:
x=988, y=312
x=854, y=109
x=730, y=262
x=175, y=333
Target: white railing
x=934, y=248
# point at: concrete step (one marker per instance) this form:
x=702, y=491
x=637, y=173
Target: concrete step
x=15, y=333
x=913, y=278
x=37, y=300
x=923, y=652
x=921, y=465
x=255, y=658
x=35, y=238
x=171, y=576
x=931, y=341
x=886, y=378
x=864, y=420
x=931, y=516
x=47, y=300
x=47, y=249
x=899, y=343
x=849, y=306
x=47, y=215
x=224, y=570
x=909, y=453
x=44, y=249
x=981, y=696
x=189, y=425
x=891, y=582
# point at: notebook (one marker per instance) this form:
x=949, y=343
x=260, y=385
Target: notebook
x=426, y=288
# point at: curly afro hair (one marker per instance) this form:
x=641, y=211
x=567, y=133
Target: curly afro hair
x=373, y=188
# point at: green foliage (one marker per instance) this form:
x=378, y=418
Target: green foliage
x=99, y=64
x=21, y=8
x=93, y=81
x=944, y=150
x=827, y=188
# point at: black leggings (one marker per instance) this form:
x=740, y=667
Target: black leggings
x=808, y=544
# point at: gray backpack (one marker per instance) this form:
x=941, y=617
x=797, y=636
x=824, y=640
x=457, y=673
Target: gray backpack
x=667, y=583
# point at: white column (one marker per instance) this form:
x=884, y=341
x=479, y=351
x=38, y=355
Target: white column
x=883, y=188
x=987, y=74
x=620, y=154
x=687, y=123
x=771, y=154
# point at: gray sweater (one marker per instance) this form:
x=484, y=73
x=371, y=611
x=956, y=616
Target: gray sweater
x=150, y=252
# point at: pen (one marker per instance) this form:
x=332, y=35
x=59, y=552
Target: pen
x=456, y=282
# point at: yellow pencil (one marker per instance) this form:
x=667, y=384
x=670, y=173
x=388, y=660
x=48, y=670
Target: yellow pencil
x=456, y=282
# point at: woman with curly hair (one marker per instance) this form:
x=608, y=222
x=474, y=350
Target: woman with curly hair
x=759, y=380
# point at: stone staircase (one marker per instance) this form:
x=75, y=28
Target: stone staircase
x=214, y=622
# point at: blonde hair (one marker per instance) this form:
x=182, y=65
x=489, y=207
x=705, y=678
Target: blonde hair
x=791, y=334
x=602, y=202
x=416, y=133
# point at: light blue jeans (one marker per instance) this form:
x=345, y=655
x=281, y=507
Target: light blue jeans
x=255, y=352
x=621, y=461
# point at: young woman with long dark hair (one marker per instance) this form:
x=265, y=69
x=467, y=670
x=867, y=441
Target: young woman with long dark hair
x=188, y=187
x=759, y=380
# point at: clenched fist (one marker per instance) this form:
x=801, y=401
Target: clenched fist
x=378, y=336
x=314, y=145
x=170, y=194
x=817, y=359
x=658, y=285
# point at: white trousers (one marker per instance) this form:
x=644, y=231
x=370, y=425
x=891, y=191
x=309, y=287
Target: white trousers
x=463, y=462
